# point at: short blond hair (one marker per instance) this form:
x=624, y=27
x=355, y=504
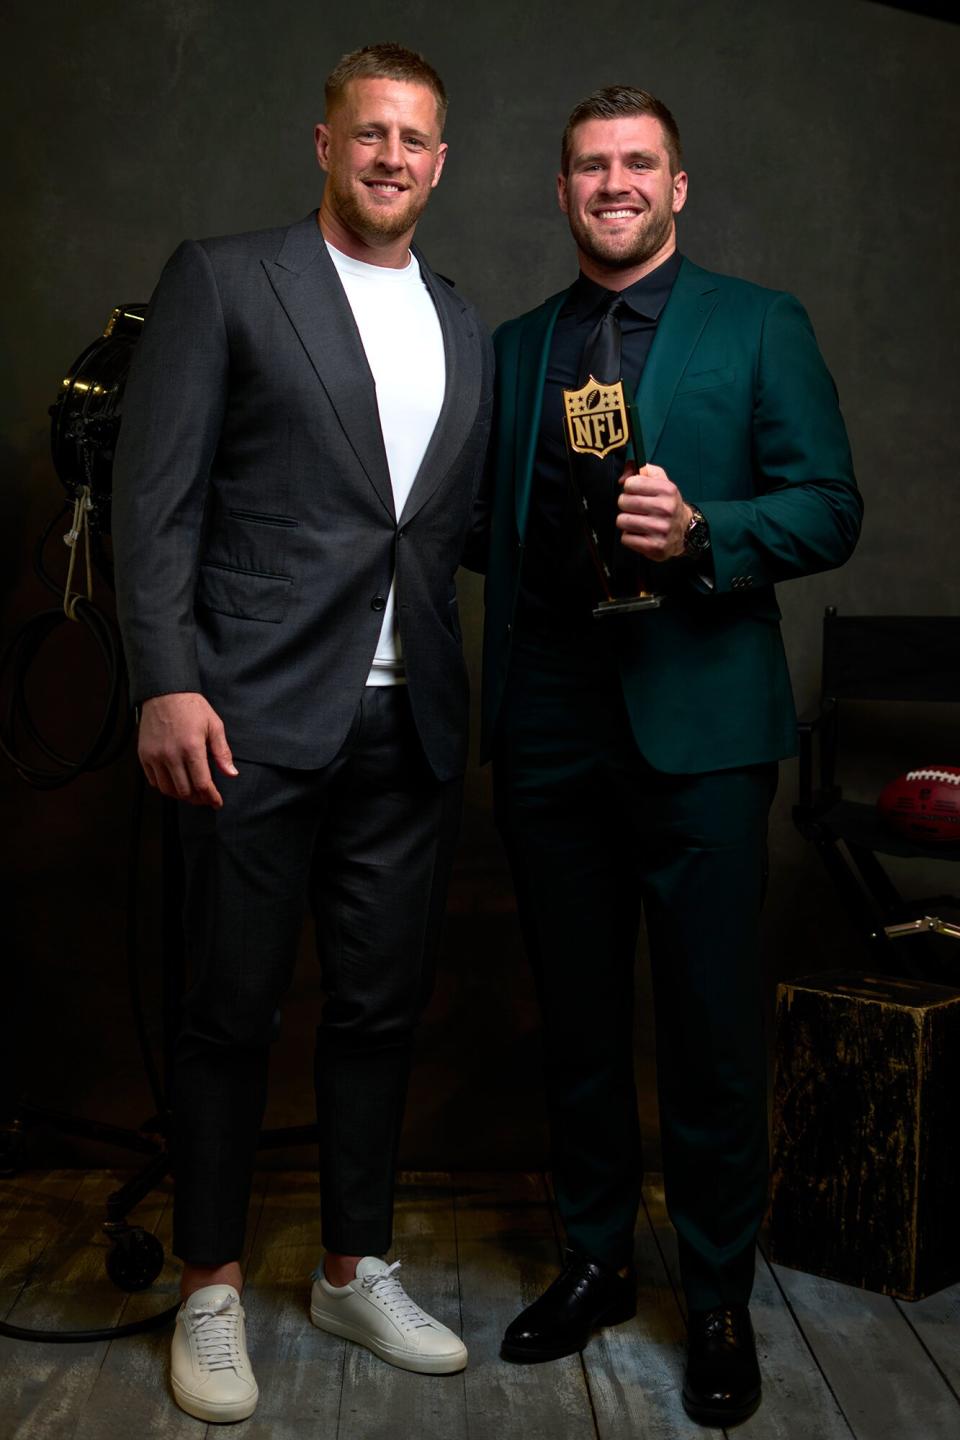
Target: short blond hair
x=385, y=62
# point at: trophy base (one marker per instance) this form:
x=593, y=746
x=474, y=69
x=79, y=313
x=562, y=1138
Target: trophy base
x=624, y=607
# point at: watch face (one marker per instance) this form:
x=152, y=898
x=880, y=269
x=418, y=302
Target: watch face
x=697, y=537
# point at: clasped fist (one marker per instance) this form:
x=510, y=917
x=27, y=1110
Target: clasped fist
x=178, y=735
x=653, y=516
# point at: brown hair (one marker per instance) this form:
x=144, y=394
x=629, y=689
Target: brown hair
x=614, y=101
x=385, y=62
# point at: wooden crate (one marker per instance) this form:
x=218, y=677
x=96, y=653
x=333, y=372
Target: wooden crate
x=866, y=1151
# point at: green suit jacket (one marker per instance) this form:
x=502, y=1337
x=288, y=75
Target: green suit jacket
x=737, y=405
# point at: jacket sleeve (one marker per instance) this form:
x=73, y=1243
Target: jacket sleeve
x=806, y=512
x=476, y=548
x=173, y=408
x=477, y=552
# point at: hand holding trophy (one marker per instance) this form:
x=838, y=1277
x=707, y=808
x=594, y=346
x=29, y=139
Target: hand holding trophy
x=654, y=518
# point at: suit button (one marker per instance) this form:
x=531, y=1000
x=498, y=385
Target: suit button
x=377, y=603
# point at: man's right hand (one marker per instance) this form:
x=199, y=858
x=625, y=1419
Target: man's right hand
x=178, y=733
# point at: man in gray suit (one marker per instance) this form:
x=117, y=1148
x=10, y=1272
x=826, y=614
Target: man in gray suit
x=304, y=428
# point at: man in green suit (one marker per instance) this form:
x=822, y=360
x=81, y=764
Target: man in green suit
x=635, y=755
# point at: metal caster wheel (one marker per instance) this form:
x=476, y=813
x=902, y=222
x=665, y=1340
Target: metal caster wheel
x=135, y=1259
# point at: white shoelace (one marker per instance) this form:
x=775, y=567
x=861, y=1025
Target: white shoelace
x=215, y=1332
x=388, y=1290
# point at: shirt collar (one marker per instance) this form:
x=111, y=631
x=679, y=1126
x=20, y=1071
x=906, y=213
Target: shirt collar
x=646, y=297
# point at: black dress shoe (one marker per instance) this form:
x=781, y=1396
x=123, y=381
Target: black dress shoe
x=584, y=1296
x=722, y=1383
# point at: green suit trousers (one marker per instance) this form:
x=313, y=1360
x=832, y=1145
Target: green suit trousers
x=595, y=836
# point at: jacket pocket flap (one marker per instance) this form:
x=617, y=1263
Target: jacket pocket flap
x=247, y=594
x=705, y=380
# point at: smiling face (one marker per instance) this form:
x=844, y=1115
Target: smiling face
x=620, y=198
x=382, y=153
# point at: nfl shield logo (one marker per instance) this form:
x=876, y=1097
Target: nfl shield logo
x=596, y=418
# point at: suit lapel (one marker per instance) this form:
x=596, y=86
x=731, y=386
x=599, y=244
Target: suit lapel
x=308, y=287
x=692, y=300
x=532, y=359
x=461, y=394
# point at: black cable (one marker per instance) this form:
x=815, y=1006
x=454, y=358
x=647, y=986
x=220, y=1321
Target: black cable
x=116, y=724
x=78, y=1337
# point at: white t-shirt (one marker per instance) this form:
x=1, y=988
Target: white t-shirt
x=403, y=342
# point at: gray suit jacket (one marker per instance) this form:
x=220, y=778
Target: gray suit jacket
x=254, y=528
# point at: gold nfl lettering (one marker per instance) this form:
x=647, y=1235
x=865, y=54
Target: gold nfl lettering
x=596, y=417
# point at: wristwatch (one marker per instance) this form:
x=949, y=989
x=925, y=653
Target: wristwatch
x=697, y=537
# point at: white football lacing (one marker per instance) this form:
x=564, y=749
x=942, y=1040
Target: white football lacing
x=946, y=777
x=391, y=1294
x=215, y=1330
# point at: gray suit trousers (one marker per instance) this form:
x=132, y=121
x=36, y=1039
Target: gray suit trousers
x=367, y=841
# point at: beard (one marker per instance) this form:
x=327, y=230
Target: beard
x=370, y=223
x=624, y=251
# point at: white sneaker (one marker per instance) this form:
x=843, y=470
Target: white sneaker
x=209, y=1366
x=376, y=1311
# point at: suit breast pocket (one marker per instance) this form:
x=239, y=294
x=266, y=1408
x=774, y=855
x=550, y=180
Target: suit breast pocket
x=263, y=517
x=692, y=384
x=246, y=594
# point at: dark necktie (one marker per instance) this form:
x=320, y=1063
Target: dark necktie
x=601, y=350
x=597, y=480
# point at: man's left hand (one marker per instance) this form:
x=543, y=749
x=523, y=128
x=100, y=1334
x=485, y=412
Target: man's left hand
x=653, y=516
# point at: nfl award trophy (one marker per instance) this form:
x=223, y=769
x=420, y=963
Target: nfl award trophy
x=599, y=421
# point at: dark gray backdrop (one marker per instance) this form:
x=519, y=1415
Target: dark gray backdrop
x=820, y=143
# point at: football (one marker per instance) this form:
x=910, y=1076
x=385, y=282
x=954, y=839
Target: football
x=924, y=804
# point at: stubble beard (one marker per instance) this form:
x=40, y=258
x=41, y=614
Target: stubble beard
x=371, y=225
x=612, y=254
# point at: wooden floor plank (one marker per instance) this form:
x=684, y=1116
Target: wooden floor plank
x=880, y=1357
x=884, y=1381
x=45, y=1386
x=32, y=1211
x=797, y=1401
x=635, y=1370
x=936, y=1321
x=508, y=1254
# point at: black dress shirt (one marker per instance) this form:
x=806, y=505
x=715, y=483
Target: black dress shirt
x=558, y=581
